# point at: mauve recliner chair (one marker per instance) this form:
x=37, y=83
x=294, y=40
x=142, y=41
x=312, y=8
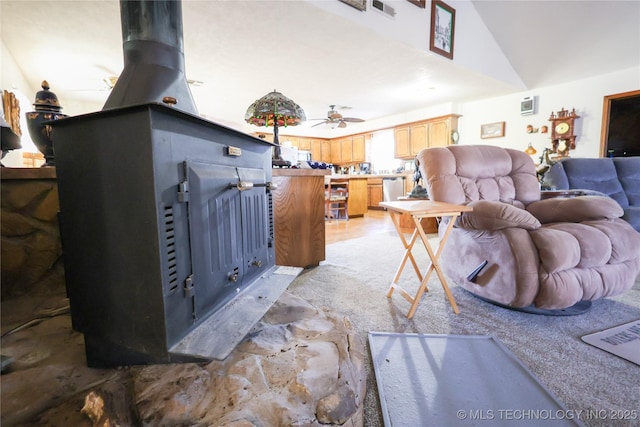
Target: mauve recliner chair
x=550, y=256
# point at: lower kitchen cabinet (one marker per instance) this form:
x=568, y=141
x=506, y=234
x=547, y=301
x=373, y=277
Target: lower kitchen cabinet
x=374, y=190
x=357, y=197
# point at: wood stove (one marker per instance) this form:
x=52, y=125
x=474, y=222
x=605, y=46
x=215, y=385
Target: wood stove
x=166, y=218
x=167, y=231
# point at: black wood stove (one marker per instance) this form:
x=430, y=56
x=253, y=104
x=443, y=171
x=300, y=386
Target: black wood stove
x=166, y=218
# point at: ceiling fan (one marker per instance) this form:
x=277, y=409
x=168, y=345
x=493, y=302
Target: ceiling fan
x=336, y=120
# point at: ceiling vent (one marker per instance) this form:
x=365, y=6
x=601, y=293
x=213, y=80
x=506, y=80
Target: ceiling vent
x=384, y=8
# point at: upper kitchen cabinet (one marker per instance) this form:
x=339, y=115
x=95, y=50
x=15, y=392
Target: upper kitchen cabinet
x=350, y=149
x=410, y=139
x=440, y=130
x=402, y=147
x=336, y=151
x=346, y=149
x=358, y=148
x=316, y=150
x=305, y=144
x=326, y=151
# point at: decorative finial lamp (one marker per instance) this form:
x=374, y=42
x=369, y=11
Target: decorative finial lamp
x=275, y=109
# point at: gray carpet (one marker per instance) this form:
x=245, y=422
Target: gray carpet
x=354, y=281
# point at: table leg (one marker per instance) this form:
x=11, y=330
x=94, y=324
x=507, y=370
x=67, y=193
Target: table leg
x=407, y=253
x=434, y=265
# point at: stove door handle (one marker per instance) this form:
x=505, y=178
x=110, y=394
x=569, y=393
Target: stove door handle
x=246, y=185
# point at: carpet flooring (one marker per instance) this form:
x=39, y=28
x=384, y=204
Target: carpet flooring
x=601, y=389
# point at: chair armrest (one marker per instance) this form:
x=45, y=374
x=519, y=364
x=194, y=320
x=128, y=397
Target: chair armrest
x=575, y=209
x=491, y=215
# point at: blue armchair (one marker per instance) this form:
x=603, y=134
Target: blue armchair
x=617, y=177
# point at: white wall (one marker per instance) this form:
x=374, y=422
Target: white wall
x=586, y=96
x=411, y=25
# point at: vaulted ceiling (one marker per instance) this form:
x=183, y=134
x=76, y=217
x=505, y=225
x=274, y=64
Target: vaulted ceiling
x=240, y=50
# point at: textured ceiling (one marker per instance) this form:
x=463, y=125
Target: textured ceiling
x=243, y=49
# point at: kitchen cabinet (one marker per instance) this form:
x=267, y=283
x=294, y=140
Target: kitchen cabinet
x=374, y=193
x=440, y=131
x=316, y=150
x=402, y=149
x=358, y=148
x=357, y=196
x=326, y=151
x=304, y=144
x=298, y=210
x=336, y=151
x=418, y=138
x=346, y=150
x=320, y=150
x=411, y=139
x=341, y=150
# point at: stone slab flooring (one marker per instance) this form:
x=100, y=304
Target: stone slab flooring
x=297, y=367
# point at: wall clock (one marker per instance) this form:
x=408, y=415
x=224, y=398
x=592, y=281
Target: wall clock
x=563, y=136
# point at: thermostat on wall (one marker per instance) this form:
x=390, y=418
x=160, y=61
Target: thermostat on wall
x=528, y=105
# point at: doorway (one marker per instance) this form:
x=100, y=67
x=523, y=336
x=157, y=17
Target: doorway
x=620, y=135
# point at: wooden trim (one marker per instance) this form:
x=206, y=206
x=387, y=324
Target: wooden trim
x=606, y=110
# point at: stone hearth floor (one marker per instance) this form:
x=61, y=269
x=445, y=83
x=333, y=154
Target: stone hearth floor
x=298, y=366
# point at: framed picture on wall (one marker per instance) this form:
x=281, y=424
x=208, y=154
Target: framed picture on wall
x=492, y=130
x=443, y=23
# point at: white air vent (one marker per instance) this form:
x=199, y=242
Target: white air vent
x=382, y=7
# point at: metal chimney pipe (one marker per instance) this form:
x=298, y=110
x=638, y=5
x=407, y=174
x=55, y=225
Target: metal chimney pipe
x=153, y=56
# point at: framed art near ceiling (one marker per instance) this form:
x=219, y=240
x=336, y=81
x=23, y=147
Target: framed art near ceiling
x=358, y=4
x=492, y=130
x=443, y=23
x=419, y=3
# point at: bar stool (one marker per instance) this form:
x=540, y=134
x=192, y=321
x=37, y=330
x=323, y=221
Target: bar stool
x=336, y=201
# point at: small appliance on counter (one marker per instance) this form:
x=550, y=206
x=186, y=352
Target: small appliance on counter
x=365, y=168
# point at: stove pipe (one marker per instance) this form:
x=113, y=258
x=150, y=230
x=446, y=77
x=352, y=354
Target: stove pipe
x=153, y=57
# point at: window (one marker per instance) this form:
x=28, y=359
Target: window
x=383, y=152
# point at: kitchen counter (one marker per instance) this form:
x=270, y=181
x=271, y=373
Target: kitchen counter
x=371, y=175
x=298, y=207
x=300, y=172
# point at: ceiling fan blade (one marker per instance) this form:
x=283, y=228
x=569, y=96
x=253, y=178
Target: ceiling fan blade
x=342, y=124
x=352, y=120
x=320, y=123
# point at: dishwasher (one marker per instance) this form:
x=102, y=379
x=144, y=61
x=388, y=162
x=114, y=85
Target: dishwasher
x=392, y=188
